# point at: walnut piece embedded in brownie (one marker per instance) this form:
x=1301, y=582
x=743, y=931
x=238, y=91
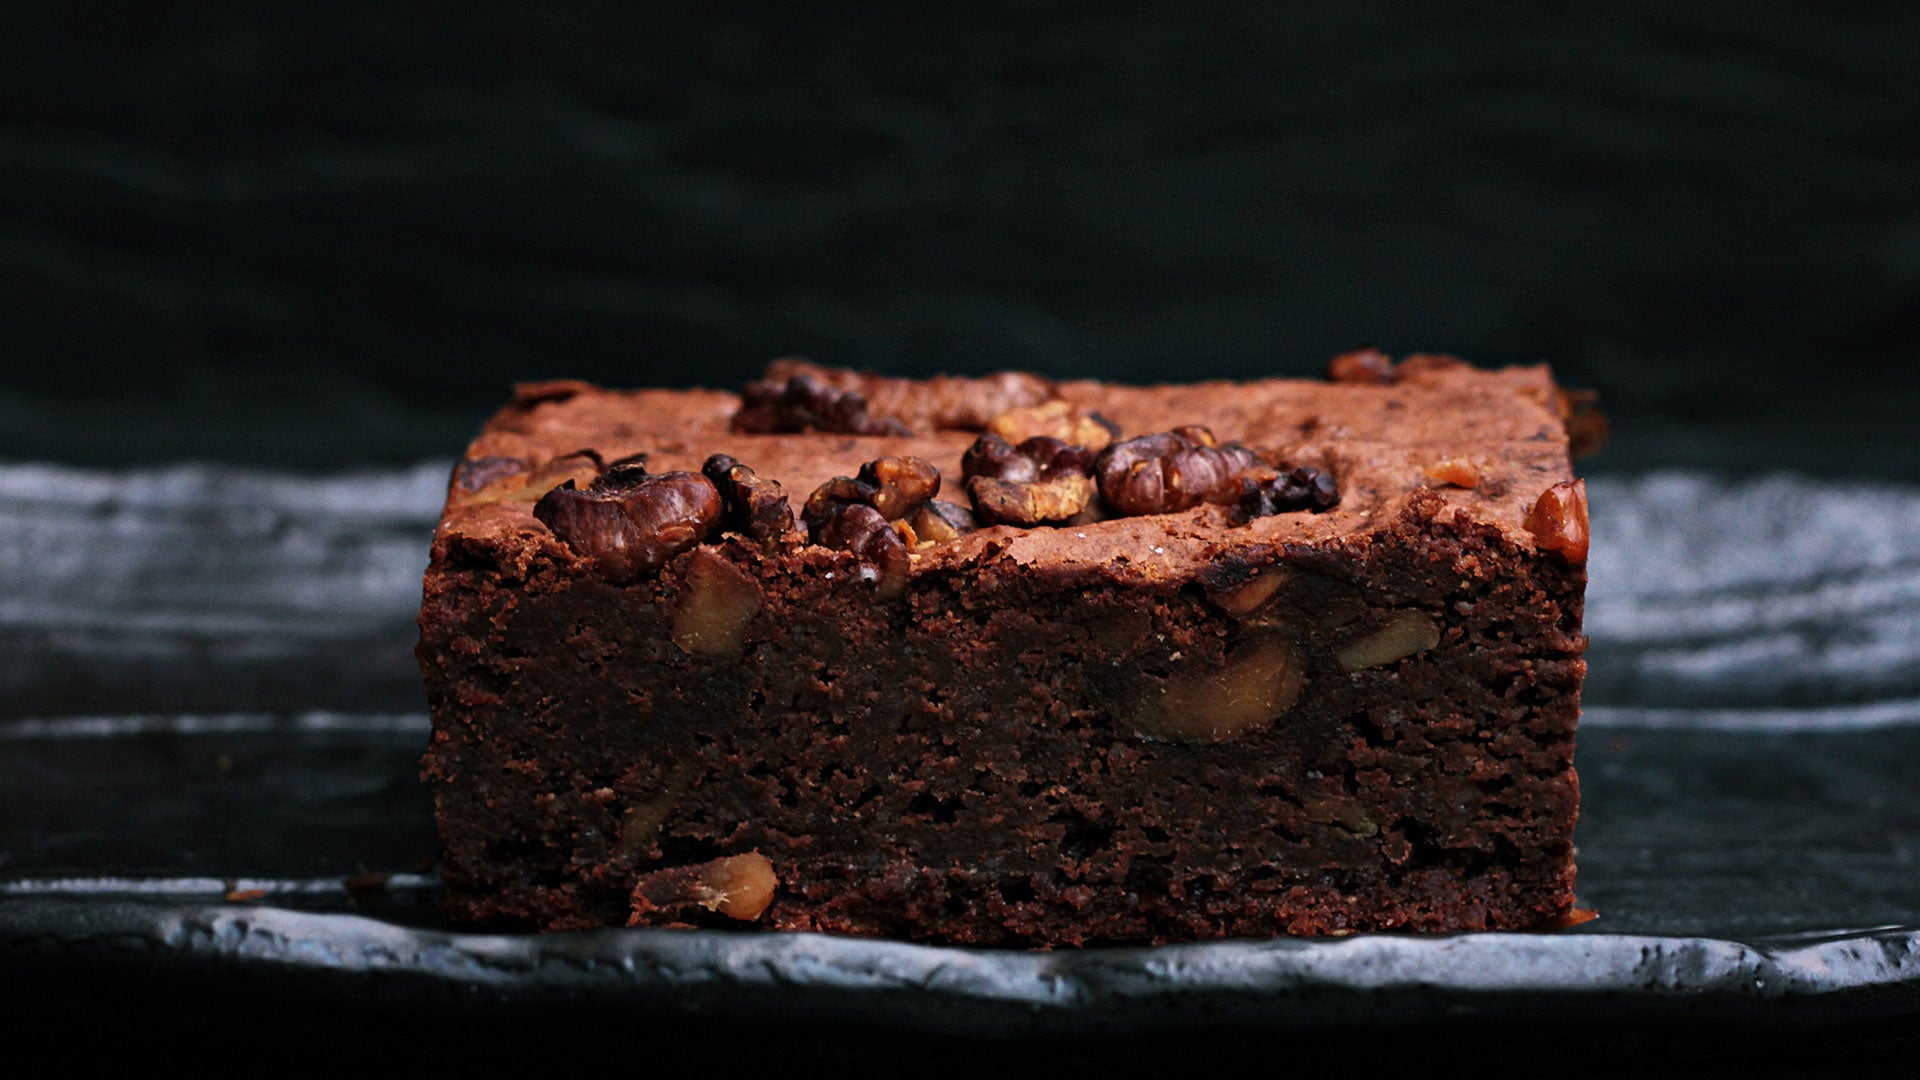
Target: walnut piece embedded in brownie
x=1278, y=657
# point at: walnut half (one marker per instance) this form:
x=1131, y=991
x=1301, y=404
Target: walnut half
x=628, y=523
x=1172, y=471
x=1041, y=480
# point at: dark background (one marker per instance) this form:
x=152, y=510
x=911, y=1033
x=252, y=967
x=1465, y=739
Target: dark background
x=243, y=232
x=333, y=234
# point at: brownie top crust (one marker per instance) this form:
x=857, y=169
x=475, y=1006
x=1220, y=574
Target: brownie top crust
x=1383, y=443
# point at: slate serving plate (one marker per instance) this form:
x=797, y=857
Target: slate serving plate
x=209, y=725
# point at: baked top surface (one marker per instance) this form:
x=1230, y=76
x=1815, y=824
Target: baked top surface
x=1378, y=441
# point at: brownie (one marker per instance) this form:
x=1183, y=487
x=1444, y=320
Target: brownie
x=1010, y=662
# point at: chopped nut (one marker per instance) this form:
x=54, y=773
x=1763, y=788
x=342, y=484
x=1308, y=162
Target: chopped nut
x=1246, y=597
x=943, y=402
x=936, y=522
x=1261, y=679
x=894, y=487
x=1363, y=367
x=738, y=887
x=832, y=495
x=1558, y=521
x=858, y=528
x=1008, y=502
x=1041, y=480
x=629, y=522
x=1264, y=493
x=750, y=504
x=1172, y=471
x=1034, y=459
x=852, y=514
x=900, y=484
x=804, y=403
x=1056, y=419
x=1455, y=472
x=721, y=600
x=1402, y=635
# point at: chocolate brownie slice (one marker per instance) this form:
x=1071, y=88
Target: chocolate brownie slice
x=1009, y=662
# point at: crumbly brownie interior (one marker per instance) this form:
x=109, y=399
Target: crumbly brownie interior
x=1150, y=728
